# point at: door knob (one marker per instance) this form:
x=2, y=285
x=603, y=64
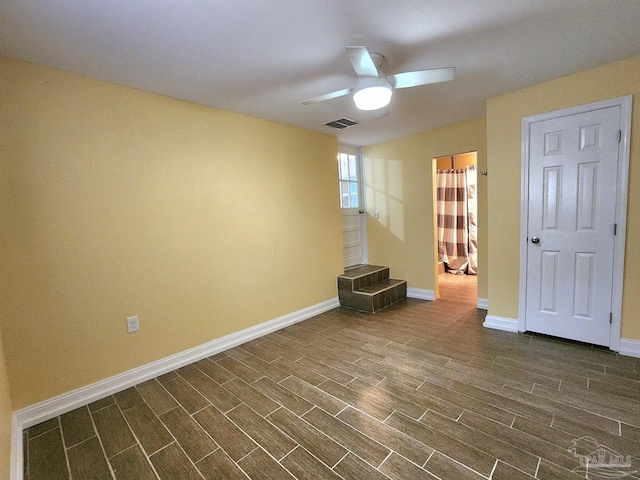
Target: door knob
x=360, y=211
x=535, y=240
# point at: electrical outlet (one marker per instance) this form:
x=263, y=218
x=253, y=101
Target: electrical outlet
x=133, y=324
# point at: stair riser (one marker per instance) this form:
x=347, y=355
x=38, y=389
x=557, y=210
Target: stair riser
x=375, y=302
x=345, y=285
x=371, y=279
x=392, y=295
x=355, y=301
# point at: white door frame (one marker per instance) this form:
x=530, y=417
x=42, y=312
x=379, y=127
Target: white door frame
x=624, y=148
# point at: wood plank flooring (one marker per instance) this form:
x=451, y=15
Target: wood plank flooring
x=419, y=390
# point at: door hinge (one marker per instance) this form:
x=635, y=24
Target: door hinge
x=610, y=318
x=619, y=136
x=615, y=229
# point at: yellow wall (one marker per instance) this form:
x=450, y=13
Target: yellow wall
x=118, y=202
x=399, y=184
x=5, y=418
x=504, y=120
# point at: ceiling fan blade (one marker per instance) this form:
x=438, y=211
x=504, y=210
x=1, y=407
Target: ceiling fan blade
x=362, y=62
x=421, y=77
x=328, y=96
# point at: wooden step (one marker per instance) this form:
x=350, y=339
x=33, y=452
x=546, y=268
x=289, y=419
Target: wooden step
x=362, y=276
x=369, y=288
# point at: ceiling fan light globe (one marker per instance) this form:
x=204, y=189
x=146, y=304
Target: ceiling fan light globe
x=372, y=93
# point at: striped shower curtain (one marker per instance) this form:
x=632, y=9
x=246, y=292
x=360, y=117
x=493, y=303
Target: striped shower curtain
x=457, y=220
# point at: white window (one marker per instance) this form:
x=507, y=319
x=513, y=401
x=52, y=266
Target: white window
x=348, y=175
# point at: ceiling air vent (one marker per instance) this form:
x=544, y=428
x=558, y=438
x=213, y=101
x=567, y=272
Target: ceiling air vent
x=341, y=123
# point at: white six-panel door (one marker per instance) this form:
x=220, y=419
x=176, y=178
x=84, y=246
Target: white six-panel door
x=573, y=171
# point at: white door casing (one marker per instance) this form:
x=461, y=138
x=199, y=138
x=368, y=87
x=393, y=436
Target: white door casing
x=352, y=206
x=575, y=176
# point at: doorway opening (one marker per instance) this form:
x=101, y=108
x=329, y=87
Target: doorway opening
x=455, y=213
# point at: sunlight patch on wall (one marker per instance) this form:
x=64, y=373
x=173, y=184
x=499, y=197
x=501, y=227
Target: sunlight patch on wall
x=396, y=218
x=395, y=185
x=384, y=186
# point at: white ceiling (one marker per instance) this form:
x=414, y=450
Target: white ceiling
x=263, y=57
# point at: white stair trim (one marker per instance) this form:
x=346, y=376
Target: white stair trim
x=42, y=411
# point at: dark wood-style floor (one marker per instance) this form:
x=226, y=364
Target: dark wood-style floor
x=419, y=390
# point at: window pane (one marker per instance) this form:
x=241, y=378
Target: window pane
x=353, y=190
x=344, y=167
x=348, y=173
x=353, y=171
x=344, y=194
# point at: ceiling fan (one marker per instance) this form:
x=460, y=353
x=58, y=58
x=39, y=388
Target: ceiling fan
x=373, y=90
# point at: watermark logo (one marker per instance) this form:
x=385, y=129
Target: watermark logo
x=599, y=461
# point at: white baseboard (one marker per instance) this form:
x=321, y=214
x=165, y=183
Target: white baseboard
x=421, y=294
x=501, y=323
x=630, y=348
x=40, y=412
x=483, y=303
